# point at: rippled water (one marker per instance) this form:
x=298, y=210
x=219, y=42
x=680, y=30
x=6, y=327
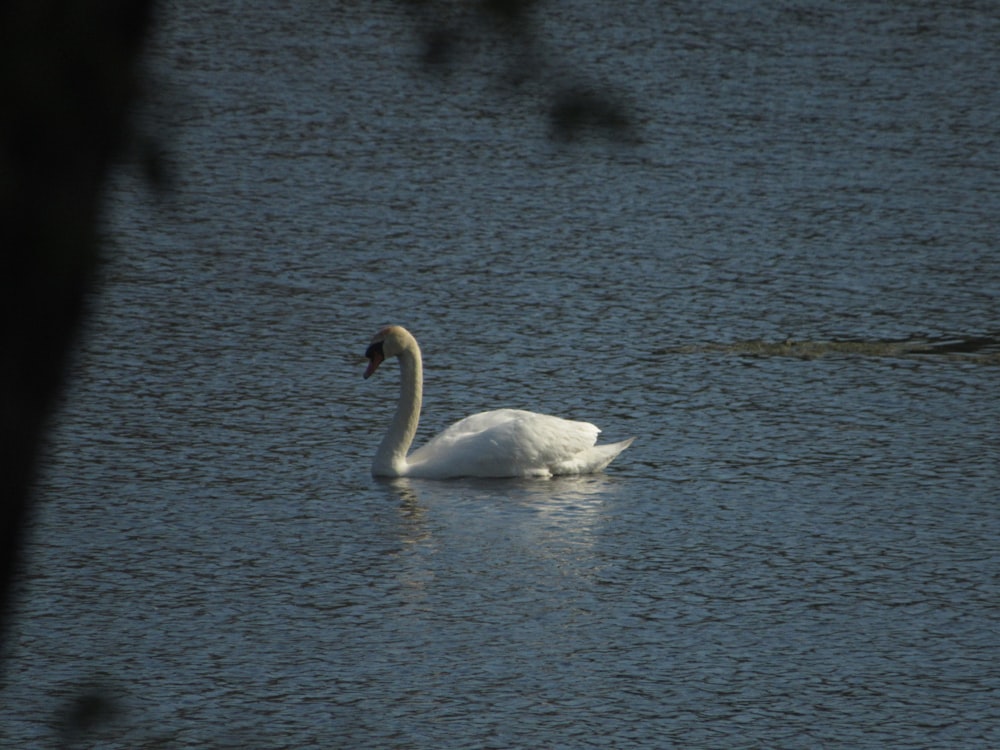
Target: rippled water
x=784, y=281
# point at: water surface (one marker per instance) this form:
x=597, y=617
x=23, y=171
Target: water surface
x=784, y=282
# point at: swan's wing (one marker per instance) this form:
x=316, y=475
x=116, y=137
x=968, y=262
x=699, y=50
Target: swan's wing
x=505, y=442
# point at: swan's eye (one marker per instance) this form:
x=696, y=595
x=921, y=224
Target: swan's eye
x=375, y=349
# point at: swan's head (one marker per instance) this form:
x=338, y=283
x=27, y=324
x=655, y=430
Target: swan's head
x=391, y=341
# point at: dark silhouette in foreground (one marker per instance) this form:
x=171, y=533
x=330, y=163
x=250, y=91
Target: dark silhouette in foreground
x=68, y=75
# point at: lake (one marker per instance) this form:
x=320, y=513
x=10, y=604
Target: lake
x=763, y=241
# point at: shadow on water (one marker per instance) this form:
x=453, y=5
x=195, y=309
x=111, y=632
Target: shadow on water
x=978, y=349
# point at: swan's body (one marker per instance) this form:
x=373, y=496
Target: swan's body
x=501, y=443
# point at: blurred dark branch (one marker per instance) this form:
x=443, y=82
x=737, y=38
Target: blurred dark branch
x=453, y=31
x=68, y=75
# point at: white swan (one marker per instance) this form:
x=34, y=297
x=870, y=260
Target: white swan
x=501, y=443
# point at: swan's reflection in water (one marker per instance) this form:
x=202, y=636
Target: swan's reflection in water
x=475, y=538
x=576, y=501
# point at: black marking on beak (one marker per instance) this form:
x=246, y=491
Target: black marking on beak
x=375, y=357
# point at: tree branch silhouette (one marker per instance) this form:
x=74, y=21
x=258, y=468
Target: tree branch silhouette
x=68, y=75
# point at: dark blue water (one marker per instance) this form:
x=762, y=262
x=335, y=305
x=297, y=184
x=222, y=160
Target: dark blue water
x=781, y=276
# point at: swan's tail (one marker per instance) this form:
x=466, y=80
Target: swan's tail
x=593, y=459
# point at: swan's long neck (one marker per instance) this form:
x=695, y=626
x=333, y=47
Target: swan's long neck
x=390, y=460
